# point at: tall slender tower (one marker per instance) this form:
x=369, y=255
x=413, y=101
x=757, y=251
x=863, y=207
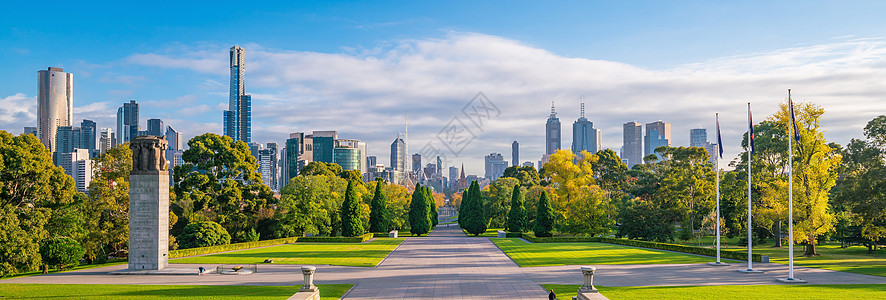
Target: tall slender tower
x=584, y=136
x=55, y=103
x=238, y=117
x=552, y=132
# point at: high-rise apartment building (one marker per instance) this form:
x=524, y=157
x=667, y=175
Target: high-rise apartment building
x=238, y=117
x=106, y=140
x=67, y=140
x=632, y=150
x=495, y=166
x=657, y=134
x=127, y=122
x=55, y=103
x=88, y=137
x=78, y=165
x=253, y=149
x=267, y=161
x=584, y=136
x=698, y=137
x=515, y=153
x=552, y=132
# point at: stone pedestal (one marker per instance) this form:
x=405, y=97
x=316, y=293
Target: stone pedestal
x=148, y=205
x=308, y=272
x=393, y=234
x=588, y=285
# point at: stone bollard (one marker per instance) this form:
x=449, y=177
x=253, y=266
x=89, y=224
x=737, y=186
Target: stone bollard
x=501, y=234
x=588, y=286
x=309, y=286
x=393, y=234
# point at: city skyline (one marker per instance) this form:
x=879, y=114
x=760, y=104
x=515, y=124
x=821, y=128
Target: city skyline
x=301, y=85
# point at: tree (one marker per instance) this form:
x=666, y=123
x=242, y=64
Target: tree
x=580, y=206
x=61, y=252
x=310, y=205
x=815, y=165
x=350, y=213
x=220, y=182
x=527, y=176
x=351, y=175
x=610, y=170
x=644, y=220
x=862, y=189
x=498, y=198
x=517, y=213
x=379, y=216
x=432, y=207
x=473, y=217
x=34, y=193
x=461, y=208
x=419, y=210
x=544, y=217
x=203, y=234
x=321, y=168
x=108, y=213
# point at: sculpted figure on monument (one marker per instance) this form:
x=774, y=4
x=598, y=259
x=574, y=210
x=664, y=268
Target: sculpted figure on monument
x=147, y=153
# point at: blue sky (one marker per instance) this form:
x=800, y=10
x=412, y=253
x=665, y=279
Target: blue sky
x=357, y=66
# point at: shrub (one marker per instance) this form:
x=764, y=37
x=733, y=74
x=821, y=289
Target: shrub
x=203, y=234
x=230, y=247
x=336, y=239
x=61, y=252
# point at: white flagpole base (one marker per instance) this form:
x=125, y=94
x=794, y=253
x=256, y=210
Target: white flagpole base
x=790, y=280
x=719, y=264
x=749, y=271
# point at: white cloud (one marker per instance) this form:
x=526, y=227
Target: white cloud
x=18, y=111
x=363, y=93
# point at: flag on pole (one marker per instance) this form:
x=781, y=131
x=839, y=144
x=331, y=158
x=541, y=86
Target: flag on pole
x=750, y=129
x=719, y=140
x=793, y=119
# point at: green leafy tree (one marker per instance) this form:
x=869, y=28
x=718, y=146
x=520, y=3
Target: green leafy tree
x=379, y=216
x=61, y=252
x=352, y=175
x=527, y=176
x=610, y=170
x=108, y=213
x=497, y=198
x=517, y=213
x=351, y=225
x=544, y=217
x=432, y=207
x=34, y=197
x=203, y=234
x=419, y=210
x=474, y=213
x=862, y=189
x=461, y=208
x=219, y=182
x=644, y=220
x=321, y=168
x=310, y=205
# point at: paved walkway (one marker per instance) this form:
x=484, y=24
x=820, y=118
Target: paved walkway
x=448, y=265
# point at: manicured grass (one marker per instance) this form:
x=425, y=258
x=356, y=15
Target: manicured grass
x=341, y=254
x=854, y=259
x=836, y=291
x=555, y=254
x=79, y=267
x=490, y=232
x=121, y=291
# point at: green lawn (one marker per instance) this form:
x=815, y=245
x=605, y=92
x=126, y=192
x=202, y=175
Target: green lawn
x=555, y=254
x=121, y=291
x=853, y=259
x=490, y=232
x=837, y=291
x=341, y=254
x=79, y=267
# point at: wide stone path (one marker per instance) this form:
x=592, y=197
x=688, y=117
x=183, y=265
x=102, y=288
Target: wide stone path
x=446, y=265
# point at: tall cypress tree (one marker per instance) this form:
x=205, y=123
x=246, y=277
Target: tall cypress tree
x=351, y=225
x=474, y=214
x=378, y=216
x=433, y=207
x=464, y=199
x=517, y=214
x=419, y=223
x=544, y=218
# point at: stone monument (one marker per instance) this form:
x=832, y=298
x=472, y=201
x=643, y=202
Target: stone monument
x=148, y=205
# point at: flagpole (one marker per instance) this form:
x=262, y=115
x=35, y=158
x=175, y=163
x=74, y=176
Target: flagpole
x=719, y=141
x=750, y=236
x=791, y=194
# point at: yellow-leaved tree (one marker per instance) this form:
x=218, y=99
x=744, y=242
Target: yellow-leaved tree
x=581, y=206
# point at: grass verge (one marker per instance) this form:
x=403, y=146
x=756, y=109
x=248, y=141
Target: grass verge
x=836, y=291
x=340, y=254
x=556, y=254
x=124, y=291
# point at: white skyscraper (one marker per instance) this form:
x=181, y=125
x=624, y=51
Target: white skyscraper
x=55, y=103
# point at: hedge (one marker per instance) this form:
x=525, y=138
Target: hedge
x=513, y=234
x=336, y=239
x=230, y=247
x=644, y=244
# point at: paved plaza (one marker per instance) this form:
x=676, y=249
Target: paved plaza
x=448, y=265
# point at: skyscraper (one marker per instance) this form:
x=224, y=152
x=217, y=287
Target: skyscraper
x=174, y=150
x=106, y=141
x=267, y=161
x=633, y=144
x=30, y=130
x=398, y=159
x=88, y=137
x=495, y=166
x=55, y=103
x=347, y=154
x=453, y=178
x=127, y=122
x=371, y=161
x=657, y=134
x=299, y=152
x=584, y=136
x=515, y=153
x=439, y=167
x=238, y=117
x=416, y=163
x=324, y=143
x=155, y=127
x=67, y=140
x=552, y=132
x=174, y=138
x=698, y=137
